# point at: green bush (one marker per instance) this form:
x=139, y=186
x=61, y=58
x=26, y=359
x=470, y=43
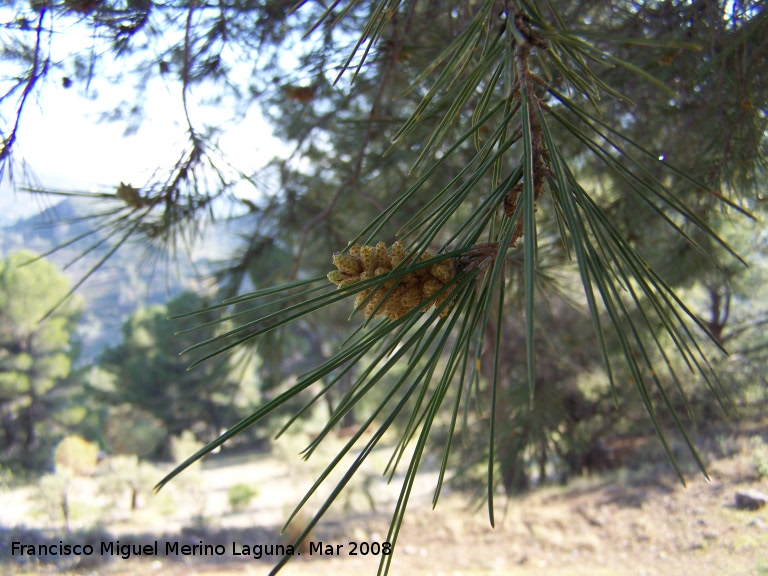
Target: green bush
x=52, y=498
x=240, y=496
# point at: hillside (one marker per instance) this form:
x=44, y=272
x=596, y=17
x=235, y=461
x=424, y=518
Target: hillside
x=134, y=276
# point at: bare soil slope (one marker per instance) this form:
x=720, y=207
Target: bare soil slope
x=641, y=522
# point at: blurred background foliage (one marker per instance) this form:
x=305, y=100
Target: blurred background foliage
x=694, y=96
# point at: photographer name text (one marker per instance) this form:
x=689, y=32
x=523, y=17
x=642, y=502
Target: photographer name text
x=126, y=551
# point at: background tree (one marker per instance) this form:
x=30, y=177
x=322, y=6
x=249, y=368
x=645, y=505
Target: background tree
x=150, y=380
x=35, y=359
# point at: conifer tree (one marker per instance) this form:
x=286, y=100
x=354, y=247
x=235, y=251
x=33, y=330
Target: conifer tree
x=35, y=360
x=505, y=194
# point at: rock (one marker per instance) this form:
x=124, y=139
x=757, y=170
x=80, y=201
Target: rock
x=750, y=500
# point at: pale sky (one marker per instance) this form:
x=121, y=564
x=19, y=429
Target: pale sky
x=66, y=147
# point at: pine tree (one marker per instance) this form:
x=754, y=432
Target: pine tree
x=514, y=194
x=35, y=359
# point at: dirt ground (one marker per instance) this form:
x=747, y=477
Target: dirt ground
x=641, y=522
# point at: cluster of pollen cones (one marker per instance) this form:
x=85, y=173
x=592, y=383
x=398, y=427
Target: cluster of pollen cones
x=394, y=297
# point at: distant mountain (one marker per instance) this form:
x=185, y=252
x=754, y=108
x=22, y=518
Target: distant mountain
x=132, y=277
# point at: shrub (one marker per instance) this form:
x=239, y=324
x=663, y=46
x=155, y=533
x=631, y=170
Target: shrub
x=240, y=496
x=76, y=456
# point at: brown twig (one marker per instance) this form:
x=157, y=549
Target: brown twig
x=34, y=75
x=524, y=39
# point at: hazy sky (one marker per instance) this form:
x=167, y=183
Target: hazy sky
x=67, y=148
